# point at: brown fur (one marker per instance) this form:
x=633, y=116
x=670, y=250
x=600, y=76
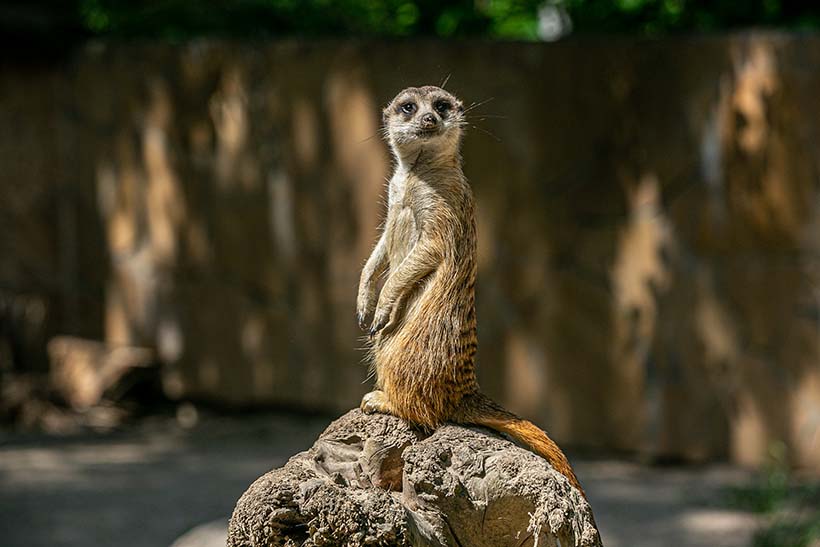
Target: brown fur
x=423, y=335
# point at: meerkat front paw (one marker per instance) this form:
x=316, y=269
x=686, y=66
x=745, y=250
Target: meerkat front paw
x=375, y=401
x=365, y=302
x=380, y=321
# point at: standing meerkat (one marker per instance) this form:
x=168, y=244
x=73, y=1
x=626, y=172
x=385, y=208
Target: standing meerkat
x=423, y=334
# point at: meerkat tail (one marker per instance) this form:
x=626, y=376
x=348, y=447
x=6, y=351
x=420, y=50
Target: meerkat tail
x=488, y=413
x=537, y=440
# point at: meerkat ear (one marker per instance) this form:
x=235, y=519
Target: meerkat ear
x=385, y=112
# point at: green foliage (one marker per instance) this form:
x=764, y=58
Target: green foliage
x=668, y=16
x=503, y=19
x=183, y=18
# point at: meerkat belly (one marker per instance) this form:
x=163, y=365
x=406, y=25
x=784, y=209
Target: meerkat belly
x=426, y=373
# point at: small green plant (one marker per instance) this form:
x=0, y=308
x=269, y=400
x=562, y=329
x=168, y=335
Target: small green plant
x=791, y=510
x=770, y=491
x=789, y=533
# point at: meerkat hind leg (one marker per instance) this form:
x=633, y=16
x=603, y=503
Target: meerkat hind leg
x=375, y=401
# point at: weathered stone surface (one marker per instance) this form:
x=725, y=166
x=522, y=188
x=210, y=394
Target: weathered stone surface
x=459, y=486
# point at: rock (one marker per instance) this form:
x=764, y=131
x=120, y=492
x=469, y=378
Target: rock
x=374, y=480
x=82, y=370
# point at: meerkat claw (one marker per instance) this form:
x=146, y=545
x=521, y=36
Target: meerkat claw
x=373, y=402
x=379, y=323
x=360, y=319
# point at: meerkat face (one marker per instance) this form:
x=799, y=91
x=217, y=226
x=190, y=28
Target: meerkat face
x=424, y=116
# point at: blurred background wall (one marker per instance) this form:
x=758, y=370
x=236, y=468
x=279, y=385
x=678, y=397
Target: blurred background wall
x=647, y=215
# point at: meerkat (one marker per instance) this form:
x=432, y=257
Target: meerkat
x=422, y=339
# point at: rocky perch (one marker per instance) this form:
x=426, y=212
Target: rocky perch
x=374, y=480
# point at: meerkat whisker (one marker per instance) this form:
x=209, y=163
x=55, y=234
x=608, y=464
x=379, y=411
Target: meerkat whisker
x=371, y=137
x=493, y=135
x=476, y=105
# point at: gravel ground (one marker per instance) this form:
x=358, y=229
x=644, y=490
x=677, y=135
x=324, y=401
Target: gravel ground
x=148, y=486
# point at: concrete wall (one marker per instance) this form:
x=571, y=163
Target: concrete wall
x=648, y=224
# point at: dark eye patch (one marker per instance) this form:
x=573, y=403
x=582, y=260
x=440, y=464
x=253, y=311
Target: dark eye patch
x=442, y=106
x=408, y=107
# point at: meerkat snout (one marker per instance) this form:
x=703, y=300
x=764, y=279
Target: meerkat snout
x=429, y=121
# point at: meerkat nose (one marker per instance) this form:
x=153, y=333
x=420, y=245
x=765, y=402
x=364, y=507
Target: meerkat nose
x=429, y=120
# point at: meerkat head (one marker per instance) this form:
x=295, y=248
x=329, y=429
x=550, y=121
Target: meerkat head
x=424, y=118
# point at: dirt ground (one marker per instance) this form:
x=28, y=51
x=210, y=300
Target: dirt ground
x=151, y=484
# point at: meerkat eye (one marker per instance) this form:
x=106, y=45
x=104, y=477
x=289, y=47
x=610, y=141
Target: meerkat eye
x=442, y=107
x=408, y=108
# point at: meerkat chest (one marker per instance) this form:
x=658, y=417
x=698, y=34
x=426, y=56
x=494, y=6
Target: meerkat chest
x=403, y=226
x=402, y=233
